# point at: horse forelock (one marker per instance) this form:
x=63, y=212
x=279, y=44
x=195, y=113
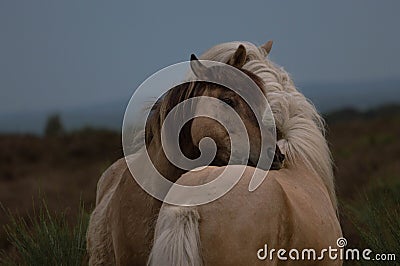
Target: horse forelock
x=164, y=105
x=302, y=128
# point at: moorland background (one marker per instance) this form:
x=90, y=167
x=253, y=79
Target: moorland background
x=64, y=166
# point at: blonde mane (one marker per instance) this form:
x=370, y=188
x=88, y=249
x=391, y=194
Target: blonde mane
x=303, y=129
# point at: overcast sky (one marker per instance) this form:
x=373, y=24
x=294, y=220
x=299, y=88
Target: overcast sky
x=61, y=54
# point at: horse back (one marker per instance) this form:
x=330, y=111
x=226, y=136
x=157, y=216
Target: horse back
x=291, y=209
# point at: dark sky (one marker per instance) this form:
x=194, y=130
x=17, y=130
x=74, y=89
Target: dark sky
x=61, y=54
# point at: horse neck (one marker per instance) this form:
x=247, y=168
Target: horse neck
x=161, y=162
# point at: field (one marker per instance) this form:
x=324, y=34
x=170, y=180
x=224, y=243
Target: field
x=64, y=169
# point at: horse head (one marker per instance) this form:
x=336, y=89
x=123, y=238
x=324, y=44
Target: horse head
x=192, y=132
x=204, y=127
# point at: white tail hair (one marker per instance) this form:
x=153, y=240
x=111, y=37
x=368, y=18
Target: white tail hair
x=303, y=129
x=177, y=238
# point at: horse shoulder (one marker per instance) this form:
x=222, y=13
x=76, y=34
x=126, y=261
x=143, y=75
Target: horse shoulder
x=132, y=214
x=110, y=178
x=99, y=240
x=113, y=226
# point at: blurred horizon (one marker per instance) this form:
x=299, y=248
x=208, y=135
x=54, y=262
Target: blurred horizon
x=109, y=115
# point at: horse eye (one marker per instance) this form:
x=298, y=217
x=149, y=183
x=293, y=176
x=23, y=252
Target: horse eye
x=228, y=101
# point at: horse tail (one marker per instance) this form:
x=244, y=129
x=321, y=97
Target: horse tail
x=177, y=238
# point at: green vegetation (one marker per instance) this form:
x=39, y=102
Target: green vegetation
x=66, y=166
x=46, y=239
x=376, y=216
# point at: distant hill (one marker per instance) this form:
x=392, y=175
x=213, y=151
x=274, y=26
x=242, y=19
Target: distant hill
x=351, y=99
x=351, y=114
x=106, y=115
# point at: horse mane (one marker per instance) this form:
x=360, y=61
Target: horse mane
x=163, y=106
x=301, y=127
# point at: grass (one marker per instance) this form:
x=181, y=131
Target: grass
x=376, y=216
x=46, y=238
x=366, y=152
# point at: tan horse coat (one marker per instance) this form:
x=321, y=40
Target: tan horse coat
x=291, y=209
x=121, y=227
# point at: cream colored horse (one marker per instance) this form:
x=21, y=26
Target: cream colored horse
x=112, y=240
x=295, y=207
x=302, y=129
x=290, y=210
x=121, y=227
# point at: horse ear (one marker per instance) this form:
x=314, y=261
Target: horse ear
x=239, y=57
x=197, y=67
x=266, y=47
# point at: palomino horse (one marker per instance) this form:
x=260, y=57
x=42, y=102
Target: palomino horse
x=121, y=227
x=300, y=128
x=290, y=210
x=295, y=207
